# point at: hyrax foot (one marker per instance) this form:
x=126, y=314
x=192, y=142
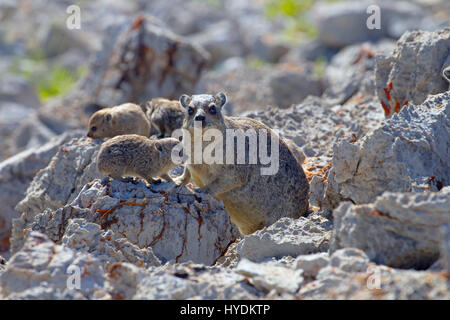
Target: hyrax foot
x=184, y=178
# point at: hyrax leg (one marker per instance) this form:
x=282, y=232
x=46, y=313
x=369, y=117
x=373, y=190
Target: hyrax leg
x=166, y=177
x=184, y=178
x=220, y=186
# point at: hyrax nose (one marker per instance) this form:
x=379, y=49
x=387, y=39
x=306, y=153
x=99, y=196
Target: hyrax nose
x=200, y=117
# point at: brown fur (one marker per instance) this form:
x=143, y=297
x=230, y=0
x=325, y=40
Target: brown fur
x=136, y=156
x=165, y=116
x=252, y=199
x=127, y=118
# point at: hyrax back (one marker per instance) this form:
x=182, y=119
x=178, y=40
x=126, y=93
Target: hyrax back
x=165, y=116
x=127, y=118
x=297, y=152
x=136, y=156
x=253, y=200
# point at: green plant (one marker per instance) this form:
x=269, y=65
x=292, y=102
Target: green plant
x=294, y=13
x=57, y=82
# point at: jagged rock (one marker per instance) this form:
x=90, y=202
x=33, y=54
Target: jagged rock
x=351, y=72
x=221, y=40
x=286, y=237
x=193, y=281
x=18, y=90
x=401, y=230
x=108, y=246
x=409, y=152
x=173, y=222
x=61, y=181
x=312, y=263
x=246, y=88
x=445, y=247
x=350, y=275
x=315, y=128
x=344, y=23
x=270, y=278
x=138, y=60
x=290, y=87
x=16, y=173
x=42, y=270
x=413, y=71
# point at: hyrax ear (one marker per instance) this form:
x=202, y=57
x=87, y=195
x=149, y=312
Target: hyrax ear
x=221, y=99
x=108, y=117
x=158, y=146
x=185, y=100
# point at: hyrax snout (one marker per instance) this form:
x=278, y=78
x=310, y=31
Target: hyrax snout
x=165, y=116
x=136, y=156
x=127, y=118
x=254, y=198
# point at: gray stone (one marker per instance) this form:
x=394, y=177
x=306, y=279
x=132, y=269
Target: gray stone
x=413, y=71
x=350, y=72
x=401, y=230
x=221, y=40
x=409, y=152
x=344, y=23
x=286, y=237
x=42, y=270
x=172, y=222
x=312, y=263
x=61, y=181
x=350, y=275
x=270, y=278
x=292, y=87
x=16, y=173
x=445, y=247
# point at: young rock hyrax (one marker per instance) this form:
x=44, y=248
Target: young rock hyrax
x=254, y=200
x=165, y=116
x=127, y=118
x=136, y=156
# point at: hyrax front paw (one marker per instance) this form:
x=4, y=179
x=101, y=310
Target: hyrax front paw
x=178, y=181
x=201, y=190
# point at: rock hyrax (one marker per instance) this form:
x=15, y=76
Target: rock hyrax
x=136, y=156
x=253, y=200
x=165, y=116
x=127, y=118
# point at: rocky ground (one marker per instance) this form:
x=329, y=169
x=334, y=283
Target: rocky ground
x=372, y=116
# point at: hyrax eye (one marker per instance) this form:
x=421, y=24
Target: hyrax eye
x=212, y=110
x=190, y=111
x=94, y=128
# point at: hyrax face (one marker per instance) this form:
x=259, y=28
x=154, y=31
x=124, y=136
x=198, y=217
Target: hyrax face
x=205, y=109
x=100, y=124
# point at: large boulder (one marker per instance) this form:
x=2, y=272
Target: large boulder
x=401, y=230
x=42, y=270
x=286, y=237
x=350, y=275
x=408, y=152
x=344, y=23
x=176, y=223
x=16, y=173
x=73, y=166
x=414, y=70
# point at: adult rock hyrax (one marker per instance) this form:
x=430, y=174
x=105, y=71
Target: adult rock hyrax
x=165, y=116
x=127, y=118
x=136, y=156
x=252, y=199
